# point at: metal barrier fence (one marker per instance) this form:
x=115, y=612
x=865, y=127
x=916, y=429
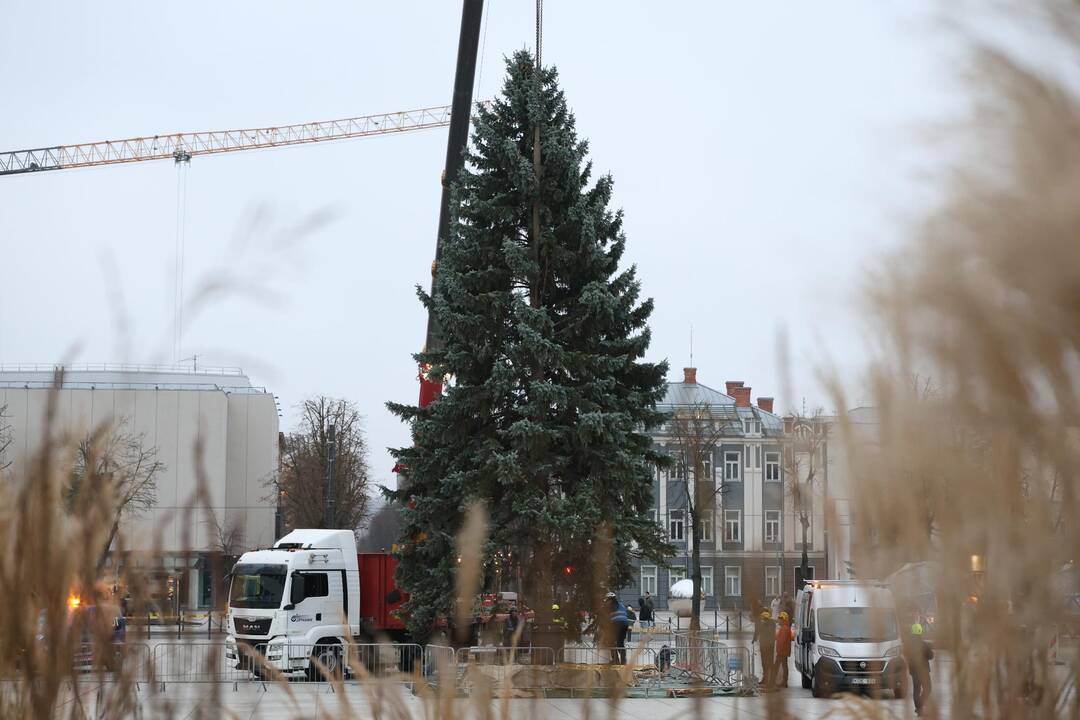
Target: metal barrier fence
x=132, y=660
x=440, y=665
x=704, y=657
x=607, y=656
x=692, y=661
x=232, y=663
x=488, y=655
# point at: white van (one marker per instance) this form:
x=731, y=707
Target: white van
x=847, y=638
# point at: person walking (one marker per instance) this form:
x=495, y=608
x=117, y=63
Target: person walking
x=619, y=628
x=645, y=604
x=631, y=618
x=774, y=607
x=917, y=655
x=765, y=637
x=784, y=636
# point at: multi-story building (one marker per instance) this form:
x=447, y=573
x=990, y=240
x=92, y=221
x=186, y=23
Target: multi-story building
x=751, y=534
x=173, y=412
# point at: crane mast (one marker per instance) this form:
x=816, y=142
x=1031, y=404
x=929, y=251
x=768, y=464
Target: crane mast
x=464, y=76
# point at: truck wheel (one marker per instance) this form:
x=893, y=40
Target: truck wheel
x=325, y=663
x=805, y=681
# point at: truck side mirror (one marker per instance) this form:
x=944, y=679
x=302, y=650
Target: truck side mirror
x=296, y=592
x=807, y=636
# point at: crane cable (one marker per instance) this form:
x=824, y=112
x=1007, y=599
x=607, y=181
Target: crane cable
x=182, y=165
x=536, y=240
x=483, y=50
x=539, y=31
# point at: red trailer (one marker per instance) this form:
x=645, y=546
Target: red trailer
x=380, y=598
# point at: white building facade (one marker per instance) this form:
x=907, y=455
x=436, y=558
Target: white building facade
x=178, y=412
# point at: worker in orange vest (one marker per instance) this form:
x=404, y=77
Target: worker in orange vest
x=784, y=635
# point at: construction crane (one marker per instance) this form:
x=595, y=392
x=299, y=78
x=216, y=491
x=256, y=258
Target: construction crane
x=184, y=146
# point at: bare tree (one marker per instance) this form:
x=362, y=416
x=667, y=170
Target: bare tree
x=114, y=474
x=227, y=543
x=300, y=482
x=697, y=430
x=804, y=457
x=226, y=537
x=5, y=438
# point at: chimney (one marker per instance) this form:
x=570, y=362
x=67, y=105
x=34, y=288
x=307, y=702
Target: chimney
x=765, y=404
x=731, y=385
x=742, y=396
x=690, y=376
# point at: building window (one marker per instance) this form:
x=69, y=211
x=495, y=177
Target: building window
x=751, y=426
x=648, y=579
x=757, y=456
x=772, y=467
x=206, y=588
x=732, y=525
x=706, y=525
x=706, y=466
x=675, y=574
x=772, y=526
x=731, y=466
x=706, y=581
x=733, y=581
x=680, y=470
x=746, y=454
x=677, y=524
x=772, y=581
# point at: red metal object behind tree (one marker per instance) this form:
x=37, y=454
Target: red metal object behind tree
x=380, y=598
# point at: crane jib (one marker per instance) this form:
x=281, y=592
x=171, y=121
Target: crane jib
x=186, y=145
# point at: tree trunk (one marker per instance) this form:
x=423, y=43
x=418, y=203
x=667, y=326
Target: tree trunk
x=103, y=557
x=695, y=565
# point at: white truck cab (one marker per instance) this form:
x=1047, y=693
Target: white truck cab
x=295, y=602
x=847, y=638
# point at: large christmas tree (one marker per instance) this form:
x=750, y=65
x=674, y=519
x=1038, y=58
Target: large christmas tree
x=545, y=413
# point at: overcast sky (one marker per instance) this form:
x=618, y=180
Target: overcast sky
x=764, y=154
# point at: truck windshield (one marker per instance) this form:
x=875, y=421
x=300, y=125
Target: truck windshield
x=857, y=624
x=257, y=586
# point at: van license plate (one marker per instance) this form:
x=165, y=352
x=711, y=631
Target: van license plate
x=864, y=681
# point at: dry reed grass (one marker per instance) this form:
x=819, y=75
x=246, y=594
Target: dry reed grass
x=977, y=467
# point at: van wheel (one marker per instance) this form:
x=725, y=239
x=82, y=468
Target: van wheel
x=899, y=691
x=819, y=688
x=329, y=656
x=805, y=681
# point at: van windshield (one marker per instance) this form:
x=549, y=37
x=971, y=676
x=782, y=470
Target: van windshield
x=257, y=586
x=857, y=624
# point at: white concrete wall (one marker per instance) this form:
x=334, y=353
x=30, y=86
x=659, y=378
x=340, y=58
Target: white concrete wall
x=235, y=434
